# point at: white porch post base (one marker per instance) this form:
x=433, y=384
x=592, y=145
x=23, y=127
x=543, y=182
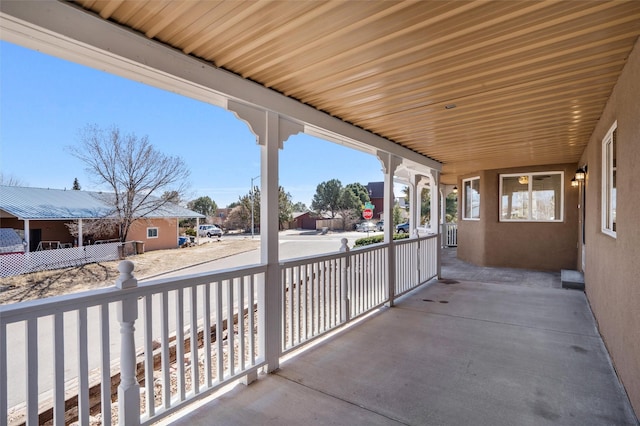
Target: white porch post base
x=128, y=390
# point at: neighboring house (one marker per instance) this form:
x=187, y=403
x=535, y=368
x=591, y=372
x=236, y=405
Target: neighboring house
x=302, y=220
x=220, y=217
x=376, y=196
x=40, y=215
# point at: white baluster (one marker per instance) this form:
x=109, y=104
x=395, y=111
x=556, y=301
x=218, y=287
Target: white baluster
x=128, y=390
x=344, y=248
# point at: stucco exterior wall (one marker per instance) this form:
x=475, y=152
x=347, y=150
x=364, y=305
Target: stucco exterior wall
x=167, y=233
x=612, y=268
x=471, y=233
x=550, y=246
x=530, y=245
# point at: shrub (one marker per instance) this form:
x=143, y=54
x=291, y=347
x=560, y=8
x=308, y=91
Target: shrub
x=190, y=232
x=361, y=242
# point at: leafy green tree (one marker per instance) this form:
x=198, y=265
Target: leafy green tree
x=361, y=193
x=349, y=207
x=327, y=197
x=285, y=207
x=451, y=207
x=203, y=205
x=397, y=215
x=300, y=207
x=425, y=205
x=246, y=201
x=76, y=185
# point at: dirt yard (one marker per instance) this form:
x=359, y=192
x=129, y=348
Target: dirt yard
x=43, y=284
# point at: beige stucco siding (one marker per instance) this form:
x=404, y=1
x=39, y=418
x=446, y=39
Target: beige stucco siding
x=612, y=267
x=532, y=245
x=167, y=233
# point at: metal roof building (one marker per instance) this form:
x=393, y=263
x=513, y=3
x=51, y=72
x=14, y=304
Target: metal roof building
x=58, y=204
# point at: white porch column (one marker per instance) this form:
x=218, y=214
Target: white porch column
x=80, y=237
x=423, y=182
x=435, y=217
x=420, y=181
x=434, y=185
x=271, y=131
x=389, y=165
x=27, y=238
x=415, y=201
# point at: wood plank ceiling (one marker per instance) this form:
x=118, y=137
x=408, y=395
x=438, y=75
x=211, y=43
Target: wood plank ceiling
x=528, y=79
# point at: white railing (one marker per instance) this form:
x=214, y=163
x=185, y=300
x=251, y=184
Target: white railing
x=450, y=235
x=68, y=350
x=22, y=263
x=367, y=279
x=193, y=335
x=313, y=293
x=416, y=262
x=322, y=293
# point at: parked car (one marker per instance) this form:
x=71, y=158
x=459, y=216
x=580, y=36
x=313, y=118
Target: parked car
x=209, y=231
x=366, y=227
x=380, y=225
x=402, y=228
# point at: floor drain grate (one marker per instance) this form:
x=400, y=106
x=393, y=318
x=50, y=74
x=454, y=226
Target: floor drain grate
x=448, y=281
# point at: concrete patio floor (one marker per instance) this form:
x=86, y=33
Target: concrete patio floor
x=454, y=352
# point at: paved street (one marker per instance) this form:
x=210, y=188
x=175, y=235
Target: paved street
x=293, y=244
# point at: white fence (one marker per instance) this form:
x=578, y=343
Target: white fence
x=192, y=335
x=416, y=262
x=450, y=235
x=23, y=263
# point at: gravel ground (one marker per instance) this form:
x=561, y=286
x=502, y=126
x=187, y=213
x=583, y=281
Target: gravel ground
x=43, y=284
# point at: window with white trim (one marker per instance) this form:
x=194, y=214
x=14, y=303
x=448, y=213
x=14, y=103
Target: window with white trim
x=532, y=197
x=471, y=198
x=609, y=195
x=152, y=232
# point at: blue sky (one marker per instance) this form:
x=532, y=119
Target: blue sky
x=45, y=102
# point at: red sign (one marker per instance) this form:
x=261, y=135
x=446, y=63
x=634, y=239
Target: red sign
x=367, y=214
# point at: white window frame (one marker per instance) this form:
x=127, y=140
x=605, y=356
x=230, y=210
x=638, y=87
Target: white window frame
x=530, y=176
x=609, y=186
x=149, y=237
x=464, y=198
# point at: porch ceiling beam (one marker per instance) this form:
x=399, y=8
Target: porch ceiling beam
x=68, y=32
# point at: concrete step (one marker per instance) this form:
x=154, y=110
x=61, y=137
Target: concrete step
x=572, y=279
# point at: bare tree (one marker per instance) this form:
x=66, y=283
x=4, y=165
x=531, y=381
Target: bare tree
x=10, y=180
x=94, y=229
x=136, y=174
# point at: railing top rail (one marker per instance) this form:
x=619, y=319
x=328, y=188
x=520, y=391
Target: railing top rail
x=329, y=256
x=71, y=302
x=412, y=240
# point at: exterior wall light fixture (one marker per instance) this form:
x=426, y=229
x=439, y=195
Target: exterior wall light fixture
x=581, y=173
x=574, y=183
x=455, y=190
